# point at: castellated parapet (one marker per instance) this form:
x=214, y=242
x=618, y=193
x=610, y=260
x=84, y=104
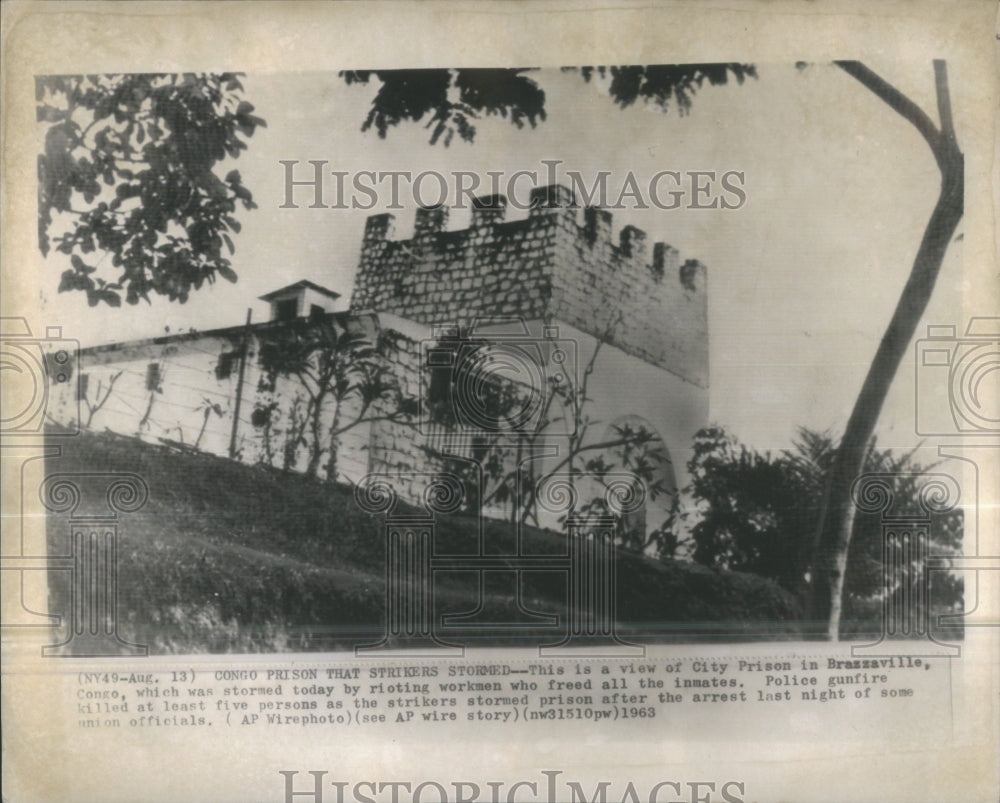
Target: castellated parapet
x=548, y=265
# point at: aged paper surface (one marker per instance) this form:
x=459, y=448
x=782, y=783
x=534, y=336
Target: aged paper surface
x=206, y=597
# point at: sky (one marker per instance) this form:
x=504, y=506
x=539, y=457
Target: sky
x=802, y=279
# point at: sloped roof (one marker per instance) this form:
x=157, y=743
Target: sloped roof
x=296, y=286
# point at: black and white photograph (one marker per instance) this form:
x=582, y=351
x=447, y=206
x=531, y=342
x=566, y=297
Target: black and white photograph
x=601, y=401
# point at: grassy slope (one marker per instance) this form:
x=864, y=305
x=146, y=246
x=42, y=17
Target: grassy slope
x=227, y=557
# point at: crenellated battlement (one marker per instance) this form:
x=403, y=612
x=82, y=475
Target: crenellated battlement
x=547, y=265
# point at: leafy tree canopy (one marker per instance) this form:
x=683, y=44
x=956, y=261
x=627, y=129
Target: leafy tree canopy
x=753, y=512
x=451, y=99
x=127, y=171
x=663, y=85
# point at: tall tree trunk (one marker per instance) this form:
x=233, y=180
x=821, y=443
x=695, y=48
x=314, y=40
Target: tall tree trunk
x=314, y=411
x=833, y=536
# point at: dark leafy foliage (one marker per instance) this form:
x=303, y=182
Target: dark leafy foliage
x=754, y=510
x=757, y=513
x=664, y=85
x=127, y=171
x=451, y=99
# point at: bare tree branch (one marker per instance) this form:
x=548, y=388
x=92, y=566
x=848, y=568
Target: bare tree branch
x=902, y=105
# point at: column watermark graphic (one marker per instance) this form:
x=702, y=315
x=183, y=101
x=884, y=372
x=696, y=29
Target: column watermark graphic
x=906, y=567
x=93, y=559
x=957, y=399
x=587, y=562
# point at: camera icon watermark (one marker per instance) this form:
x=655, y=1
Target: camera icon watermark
x=958, y=380
x=497, y=377
x=39, y=374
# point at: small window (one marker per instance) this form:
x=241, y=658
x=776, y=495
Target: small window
x=153, y=376
x=287, y=310
x=440, y=368
x=81, y=388
x=224, y=367
x=316, y=311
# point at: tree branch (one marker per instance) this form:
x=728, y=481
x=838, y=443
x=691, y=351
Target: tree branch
x=900, y=104
x=944, y=101
x=834, y=532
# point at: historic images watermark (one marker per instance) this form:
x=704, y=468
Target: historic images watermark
x=476, y=366
x=957, y=396
x=412, y=628
x=907, y=562
x=958, y=380
x=94, y=503
x=38, y=371
x=494, y=387
x=29, y=365
x=313, y=786
x=314, y=184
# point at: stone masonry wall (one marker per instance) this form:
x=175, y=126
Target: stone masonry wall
x=547, y=265
x=398, y=449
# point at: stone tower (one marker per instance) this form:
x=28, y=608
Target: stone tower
x=547, y=266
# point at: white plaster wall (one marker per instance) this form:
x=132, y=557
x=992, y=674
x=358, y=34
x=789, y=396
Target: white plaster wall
x=620, y=385
x=188, y=383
